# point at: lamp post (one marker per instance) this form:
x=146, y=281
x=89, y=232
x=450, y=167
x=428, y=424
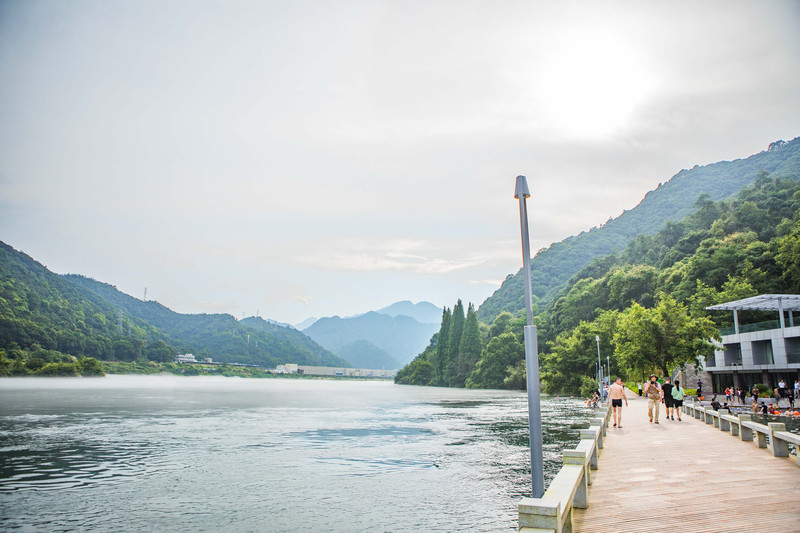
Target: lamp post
x=521, y=192
x=600, y=366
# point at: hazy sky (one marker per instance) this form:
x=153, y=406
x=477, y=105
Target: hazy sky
x=317, y=158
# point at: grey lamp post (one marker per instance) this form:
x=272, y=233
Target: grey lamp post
x=600, y=366
x=521, y=192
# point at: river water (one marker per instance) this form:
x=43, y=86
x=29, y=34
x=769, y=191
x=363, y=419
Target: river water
x=167, y=453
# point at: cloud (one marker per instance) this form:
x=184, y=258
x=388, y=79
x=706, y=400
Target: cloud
x=394, y=255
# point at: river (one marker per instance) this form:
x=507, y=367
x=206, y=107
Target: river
x=168, y=453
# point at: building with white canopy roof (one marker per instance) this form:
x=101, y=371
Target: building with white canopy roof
x=763, y=352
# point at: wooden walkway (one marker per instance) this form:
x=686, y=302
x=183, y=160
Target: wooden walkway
x=687, y=476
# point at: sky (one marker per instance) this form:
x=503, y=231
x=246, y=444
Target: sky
x=312, y=158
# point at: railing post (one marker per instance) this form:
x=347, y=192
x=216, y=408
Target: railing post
x=594, y=434
x=599, y=422
x=746, y=433
x=735, y=428
x=724, y=425
x=574, y=457
x=778, y=447
x=540, y=513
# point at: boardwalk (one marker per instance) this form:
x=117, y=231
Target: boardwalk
x=687, y=476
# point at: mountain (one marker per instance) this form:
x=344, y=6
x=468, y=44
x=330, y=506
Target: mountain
x=364, y=354
x=75, y=315
x=281, y=324
x=424, y=312
x=219, y=336
x=305, y=323
x=402, y=337
x=552, y=267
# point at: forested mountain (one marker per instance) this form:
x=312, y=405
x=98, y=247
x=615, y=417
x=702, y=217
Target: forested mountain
x=646, y=302
x=400, y=336
x=673, y=200
x=76, y=316
x=364, y=354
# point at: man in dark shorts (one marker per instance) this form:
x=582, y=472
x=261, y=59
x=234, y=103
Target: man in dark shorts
x=616, y=393
x=668, y=404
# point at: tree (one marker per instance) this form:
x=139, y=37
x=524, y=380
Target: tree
x=491, y=371
x=469, y=349
x=418, y=372
x=454, y=341
x=788, y=257
x=662, y=337
x=439, y=358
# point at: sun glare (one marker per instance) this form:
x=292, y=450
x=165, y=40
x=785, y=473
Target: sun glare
x=591, y=84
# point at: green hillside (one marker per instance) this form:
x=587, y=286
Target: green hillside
x=647, y=302
x=46, y=318
x=219, y=336
x=553, y=267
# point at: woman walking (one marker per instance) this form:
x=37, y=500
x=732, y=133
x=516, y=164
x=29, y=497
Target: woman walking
x=677, y=398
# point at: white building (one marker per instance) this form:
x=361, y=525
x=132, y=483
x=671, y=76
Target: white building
x=765, y=352
x=185, y=358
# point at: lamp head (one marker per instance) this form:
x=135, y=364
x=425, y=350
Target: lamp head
x=521, y=190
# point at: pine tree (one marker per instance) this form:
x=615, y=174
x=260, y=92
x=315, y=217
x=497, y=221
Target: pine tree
x=439, y=357
x=469, y=349
x=456, y=329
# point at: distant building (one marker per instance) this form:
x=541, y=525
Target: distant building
x=765, y=352
x=208, y=360
x=345, y=372
x=185, y=358
x=288, y=368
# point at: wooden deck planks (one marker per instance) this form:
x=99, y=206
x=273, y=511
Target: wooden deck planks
x=689, y=475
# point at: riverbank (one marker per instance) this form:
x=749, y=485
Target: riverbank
x=199, y=369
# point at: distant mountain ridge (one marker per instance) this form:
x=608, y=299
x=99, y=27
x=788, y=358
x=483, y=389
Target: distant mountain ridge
x=552, y=267
x=401, y=337
x=424, y=312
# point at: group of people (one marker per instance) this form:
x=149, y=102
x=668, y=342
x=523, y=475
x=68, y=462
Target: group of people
x=670, y=394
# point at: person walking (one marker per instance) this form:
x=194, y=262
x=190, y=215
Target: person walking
x=796, y=390
x=616, y=393
x=653, y=392
x=639, y=385
x=666, y=393
x=677, y=398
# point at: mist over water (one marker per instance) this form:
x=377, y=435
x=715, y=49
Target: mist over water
x=189, y=454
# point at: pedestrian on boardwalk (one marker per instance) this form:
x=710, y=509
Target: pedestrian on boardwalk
x=616, y=393
x=640, y=388
x=677, y=398
x=653, y=392
x=666, y=393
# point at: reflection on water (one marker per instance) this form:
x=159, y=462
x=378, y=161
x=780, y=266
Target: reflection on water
x=200, y=454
